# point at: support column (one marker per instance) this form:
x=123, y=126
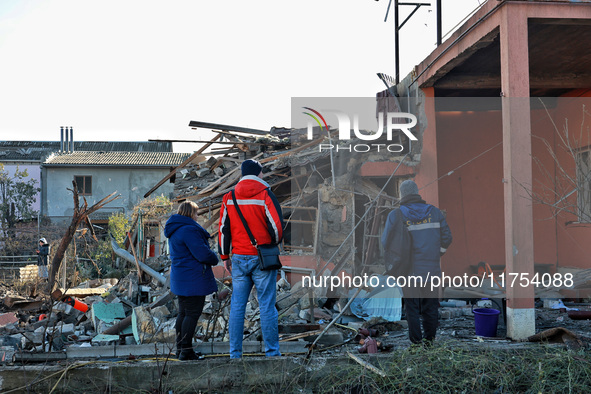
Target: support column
x=517, y=172
x=428, y=172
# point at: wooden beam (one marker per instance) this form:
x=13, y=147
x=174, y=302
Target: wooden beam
x=214, y=218
x=292, y=151
x=444, y=70
x=212, y=186
x=559, y=21
x=202, y=141
x=182, y=165
x=469, y=81
x=223, y=127
x=493, y=81
x=560, y=81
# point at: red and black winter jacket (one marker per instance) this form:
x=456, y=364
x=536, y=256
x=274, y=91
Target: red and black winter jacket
x=260, y=209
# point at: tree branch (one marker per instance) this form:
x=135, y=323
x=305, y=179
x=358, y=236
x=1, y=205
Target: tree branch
x=78, y=217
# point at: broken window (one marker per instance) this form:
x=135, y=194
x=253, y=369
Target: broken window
x=583, y=160
x=84, y=183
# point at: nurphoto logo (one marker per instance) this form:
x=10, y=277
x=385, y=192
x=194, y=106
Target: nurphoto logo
x=394, y=121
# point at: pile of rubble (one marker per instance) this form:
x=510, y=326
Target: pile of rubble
x=132, y=311
x=95, y=313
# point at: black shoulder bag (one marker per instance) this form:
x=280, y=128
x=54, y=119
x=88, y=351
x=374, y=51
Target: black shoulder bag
x=268, y=254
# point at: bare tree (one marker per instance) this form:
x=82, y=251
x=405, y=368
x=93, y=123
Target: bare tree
x=80, y=215
x=565, y=184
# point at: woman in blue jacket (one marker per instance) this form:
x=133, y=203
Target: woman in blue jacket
x=191, y=277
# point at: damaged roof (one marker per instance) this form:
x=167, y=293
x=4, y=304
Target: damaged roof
x=142, y=159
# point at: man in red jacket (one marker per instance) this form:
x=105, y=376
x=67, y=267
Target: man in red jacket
x=262, y=212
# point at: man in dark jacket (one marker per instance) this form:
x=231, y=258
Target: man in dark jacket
x=42, y=254
x=191, y=277
x=431, y=237
x=262, y=213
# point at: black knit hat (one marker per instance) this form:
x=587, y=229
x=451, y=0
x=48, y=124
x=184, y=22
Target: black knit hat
x=251, y=167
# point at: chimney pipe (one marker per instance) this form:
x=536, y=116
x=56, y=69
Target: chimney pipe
x=66, y=141
x=61, y=139
x=71, y=140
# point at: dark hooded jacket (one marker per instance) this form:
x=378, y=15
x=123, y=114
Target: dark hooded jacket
x=191, y=256
x=430, y=233
x=42, y=255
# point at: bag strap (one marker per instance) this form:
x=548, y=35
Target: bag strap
x=252, y=240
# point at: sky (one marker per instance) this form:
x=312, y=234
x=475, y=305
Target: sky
x=137, y=70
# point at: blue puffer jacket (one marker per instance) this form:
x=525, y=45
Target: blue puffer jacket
x=191, y=273
x=430, y=234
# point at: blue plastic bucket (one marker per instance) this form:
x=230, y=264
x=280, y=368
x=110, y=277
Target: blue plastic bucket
x=485, y=322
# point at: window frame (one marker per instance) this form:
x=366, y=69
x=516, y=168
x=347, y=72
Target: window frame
x=82, y=188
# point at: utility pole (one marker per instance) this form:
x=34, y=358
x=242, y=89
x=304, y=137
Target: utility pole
x=398, y=26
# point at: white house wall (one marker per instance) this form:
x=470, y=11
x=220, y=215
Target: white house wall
x=131, y=184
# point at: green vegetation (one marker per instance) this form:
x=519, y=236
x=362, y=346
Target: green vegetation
x=100, y=254
x=538, y=369
x=17, y=194
x=101, y=259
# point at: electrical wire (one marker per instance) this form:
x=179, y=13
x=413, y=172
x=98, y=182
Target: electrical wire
x=462, y=165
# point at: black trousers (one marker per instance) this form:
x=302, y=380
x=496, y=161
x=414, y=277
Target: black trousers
x=190, y=309
x=423, y=303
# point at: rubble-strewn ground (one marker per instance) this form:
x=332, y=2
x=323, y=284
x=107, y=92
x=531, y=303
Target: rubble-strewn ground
x=35, y=330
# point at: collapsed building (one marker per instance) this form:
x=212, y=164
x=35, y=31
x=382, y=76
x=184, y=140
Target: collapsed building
x=480, y=159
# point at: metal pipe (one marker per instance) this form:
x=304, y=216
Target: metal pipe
x=62, y=139
x=439, y=35
x=71, y=140
x=124, y=254
x=66, y=144
x=396, y=43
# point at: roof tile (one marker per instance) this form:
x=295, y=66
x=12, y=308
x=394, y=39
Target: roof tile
x=152, y=159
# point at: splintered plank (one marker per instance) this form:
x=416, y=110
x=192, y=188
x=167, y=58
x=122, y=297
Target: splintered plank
x=217, y=183
x=206, y=125
x=214, y=218
x=183, y=164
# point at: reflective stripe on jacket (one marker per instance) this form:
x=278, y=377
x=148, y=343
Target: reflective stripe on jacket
x=260, y=209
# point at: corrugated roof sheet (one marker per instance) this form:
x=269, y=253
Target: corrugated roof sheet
x=152, y=159
x=38, y=150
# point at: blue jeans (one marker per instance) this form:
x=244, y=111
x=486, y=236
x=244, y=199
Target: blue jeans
x=245, y=273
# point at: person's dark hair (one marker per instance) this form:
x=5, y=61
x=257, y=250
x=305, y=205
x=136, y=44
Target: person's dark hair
x=188, y=208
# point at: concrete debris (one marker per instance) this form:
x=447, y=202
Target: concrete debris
x=151, y=327
x=219, y=171
x=105, y=339
x=136, y=314
x=202, y=172
x=105, y=315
